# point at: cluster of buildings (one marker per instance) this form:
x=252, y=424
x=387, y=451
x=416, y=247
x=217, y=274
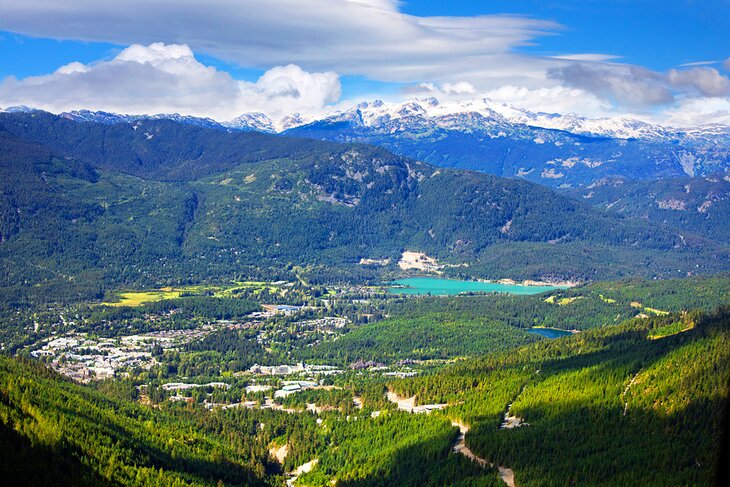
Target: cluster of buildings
x=85, y=357
x=299, y=368
x=293, y=386
x=326, y=323
x=183, y=386
x=271, y=310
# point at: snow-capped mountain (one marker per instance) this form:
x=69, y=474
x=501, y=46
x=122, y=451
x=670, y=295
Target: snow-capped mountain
x=260, y=122
x=427, y=111
x=19, y=109
x=480, y=113
x=551, y=149
x=558, y=150
x=111, y=118
x=376, y=113
x=617, y=127
x=253, y=121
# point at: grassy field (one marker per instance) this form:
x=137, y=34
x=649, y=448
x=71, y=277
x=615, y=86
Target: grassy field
x=138, y=298
x=562, y=301
x=657, y=312
x=669, y=330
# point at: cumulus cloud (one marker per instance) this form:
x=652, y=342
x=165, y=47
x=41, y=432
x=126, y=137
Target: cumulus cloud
x=706, y=81
x=460, y=88
x=627, y=84
x=447, y=90
x=557, y=99
x=162, y=78
x=693, y=112
x=726, y=64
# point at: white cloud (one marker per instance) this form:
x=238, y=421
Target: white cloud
x=587, y=57
x=628, y=84
x=692, y=112
x=697, y=63
x=706, y=81
x=551, y=100
x=557, y=99
x=457, y=56
x=460, y=88
x=726, y=64
x=638, y=86
x=287, y=89
x=371, y=38
x=74, y=67
x=163, y=78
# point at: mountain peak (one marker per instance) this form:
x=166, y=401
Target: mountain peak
x=255, y=121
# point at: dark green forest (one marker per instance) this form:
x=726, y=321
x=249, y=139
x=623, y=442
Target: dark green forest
x=610, y=406
x=53, y=430
x=698, y=205
x=85, y=208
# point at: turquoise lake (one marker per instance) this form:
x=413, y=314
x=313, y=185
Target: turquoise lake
x=443, y=287
x=549, y=332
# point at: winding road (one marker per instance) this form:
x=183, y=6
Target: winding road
x=505, y=473
x=304, y=468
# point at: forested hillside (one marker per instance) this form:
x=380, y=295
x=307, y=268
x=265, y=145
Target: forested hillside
x=54, y=431
x=86, y=206
x=642, y=403
x=697, y=205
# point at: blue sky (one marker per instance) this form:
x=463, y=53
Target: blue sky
x=659, y=34
x=377, y=52
x=22, y=56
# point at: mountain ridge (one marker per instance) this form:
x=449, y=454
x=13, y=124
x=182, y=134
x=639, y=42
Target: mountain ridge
x=620, y=127
x=555, y=150
x=108, y=204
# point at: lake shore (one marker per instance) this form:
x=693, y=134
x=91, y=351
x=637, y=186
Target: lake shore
x=444, y=287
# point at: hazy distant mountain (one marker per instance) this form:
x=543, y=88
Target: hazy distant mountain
x=550, y=149
x=112, y=118
x=563, y=151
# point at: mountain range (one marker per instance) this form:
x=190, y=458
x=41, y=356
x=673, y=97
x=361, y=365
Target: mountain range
x=154, y=201
x=560, y=151
x=553, y=150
